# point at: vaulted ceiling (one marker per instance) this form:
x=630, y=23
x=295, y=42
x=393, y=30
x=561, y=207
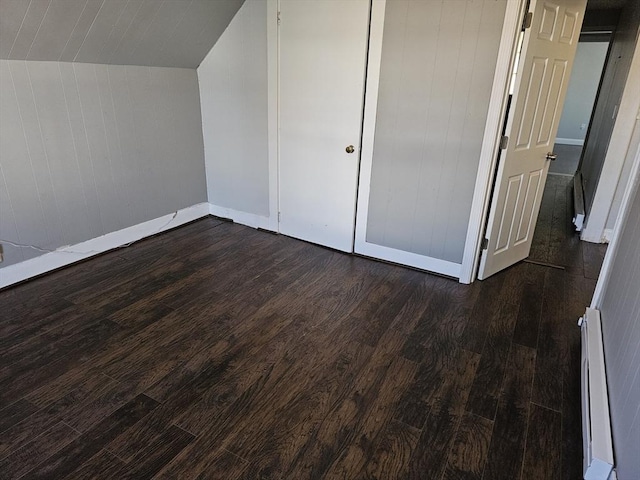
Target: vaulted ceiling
x=163, y=33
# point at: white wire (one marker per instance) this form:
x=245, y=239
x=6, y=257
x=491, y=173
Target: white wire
x=75, y=252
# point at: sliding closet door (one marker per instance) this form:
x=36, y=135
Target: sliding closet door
x=431, y=68
x=323, y=49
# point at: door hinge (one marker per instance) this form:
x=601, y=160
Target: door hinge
x=279, y=216
x=504, y=142
x=485, y=244
x=278, y=18
x=526, y=22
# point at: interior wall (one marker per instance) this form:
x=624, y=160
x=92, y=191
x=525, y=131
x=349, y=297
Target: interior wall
x=624, y=175
x=437, y=69
x=620, y=312
x=581, y=94
x=90, y=149
x=609, y=101
x=233, y=91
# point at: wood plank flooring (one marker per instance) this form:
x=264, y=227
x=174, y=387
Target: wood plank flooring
x=216, y=351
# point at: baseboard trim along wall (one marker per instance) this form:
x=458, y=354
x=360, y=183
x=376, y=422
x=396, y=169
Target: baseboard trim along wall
x=243, y=218
x=596, y=423
x=67, y=255
x=570, y=141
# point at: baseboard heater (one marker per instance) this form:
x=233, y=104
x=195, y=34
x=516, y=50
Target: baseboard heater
x=578, y=202
x=596, y=424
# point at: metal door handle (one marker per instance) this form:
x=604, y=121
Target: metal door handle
x=551, y=156
x=350, y=149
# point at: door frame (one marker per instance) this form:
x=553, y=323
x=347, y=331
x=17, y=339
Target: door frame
x=507, y=51
x=466, y=271
x=361, y=246
x=273, y=112
x=611, y=182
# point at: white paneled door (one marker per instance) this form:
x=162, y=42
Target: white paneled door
x=547, y=57
x=323, y=49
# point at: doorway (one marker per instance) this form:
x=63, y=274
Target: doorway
x=580, y=101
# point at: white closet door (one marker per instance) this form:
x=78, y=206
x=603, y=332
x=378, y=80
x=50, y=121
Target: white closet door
x=323, y=48
x=431, y=70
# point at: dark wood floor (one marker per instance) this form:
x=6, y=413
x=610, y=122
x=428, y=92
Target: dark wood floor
x=220, y=352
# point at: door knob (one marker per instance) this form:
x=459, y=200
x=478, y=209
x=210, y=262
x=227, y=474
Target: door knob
x=551, y=156
x=350, y=149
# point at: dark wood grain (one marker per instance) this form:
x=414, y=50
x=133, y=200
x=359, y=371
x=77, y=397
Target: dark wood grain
x=510, y=427
x=469, y=451
x=447, y=409
x=392, y=451
x=547, y=385
x=15, y=413
x=103, y=465
x=528, y=321
x=219, y=351
x=487, y=384
x=70, y=457
x=37, y=451
x=543, y=458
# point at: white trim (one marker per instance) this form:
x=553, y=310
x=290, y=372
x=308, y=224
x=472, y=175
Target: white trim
x=411, y=259
x=570, y=141
x=621, y=136
x=625, y=205
x=272, y=111
x=376, y=32
x=607, y=235
x=506, y=54
x=243, y=218
x=69, y=254
x=361, y=246
x=491, y=140
x=596, y=424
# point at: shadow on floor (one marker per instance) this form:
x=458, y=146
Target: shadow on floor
x=568, y=159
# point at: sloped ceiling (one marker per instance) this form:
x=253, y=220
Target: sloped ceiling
x=162, y=33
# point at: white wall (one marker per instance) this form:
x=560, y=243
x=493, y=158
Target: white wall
x=583, y=87
x=87, y=149
x=620, y=312
x=613, y=123
x=233, y=92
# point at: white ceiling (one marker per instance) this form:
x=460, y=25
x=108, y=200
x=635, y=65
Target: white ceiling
x=163, y=33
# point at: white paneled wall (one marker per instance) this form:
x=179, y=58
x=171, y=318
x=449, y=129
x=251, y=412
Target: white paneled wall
x=90, y=149
x=620, y=312
x=437, y=69
x=233, y=91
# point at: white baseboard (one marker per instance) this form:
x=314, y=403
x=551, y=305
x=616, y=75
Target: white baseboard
x=596, y=424
x=67, y=255
x=570, y=141
x=243, y=218
x=407, y=258
x=596, y=237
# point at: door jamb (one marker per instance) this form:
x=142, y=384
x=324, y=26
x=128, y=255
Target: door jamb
x=514, y=16
x=610, y=178
x=273, y=112
x=625, y=205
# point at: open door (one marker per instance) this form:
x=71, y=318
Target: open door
x=547, y=57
